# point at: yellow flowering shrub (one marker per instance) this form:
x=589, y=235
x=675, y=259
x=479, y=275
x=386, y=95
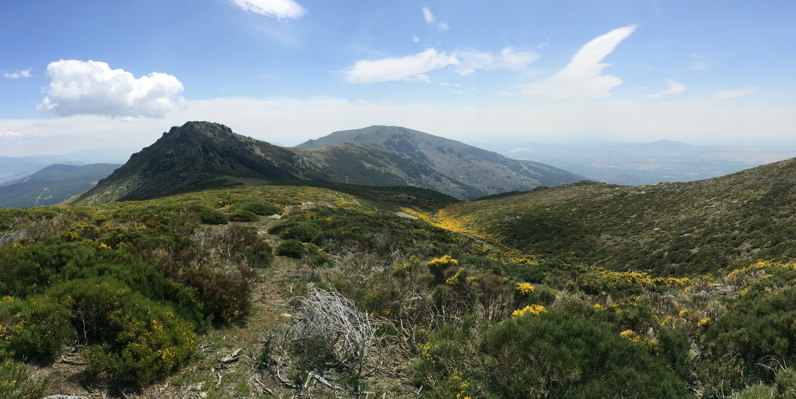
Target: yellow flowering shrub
x=530, y=309
x=630, y=335
x=524, y=288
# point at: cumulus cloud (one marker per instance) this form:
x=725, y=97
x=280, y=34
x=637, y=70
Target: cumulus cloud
x=279, y=9
x=673, y=87
x=18, y=74
x=93, y=88
x=412, y=67
x=583, y=77
x=470, y=61
x=430, y=19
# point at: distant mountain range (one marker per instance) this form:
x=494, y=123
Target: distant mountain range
x=647, y=163
x=200, y=155
x=53, y=184
x=487, y=172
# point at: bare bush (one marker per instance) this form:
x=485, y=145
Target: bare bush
x=12, y=237
x=344, y=332
x=332, y=335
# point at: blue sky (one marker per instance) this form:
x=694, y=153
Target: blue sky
x=94, y=74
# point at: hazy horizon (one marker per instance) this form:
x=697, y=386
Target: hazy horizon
x=93, y=75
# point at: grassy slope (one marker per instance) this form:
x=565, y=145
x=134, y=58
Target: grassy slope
x=671, y=228
x=607, y=225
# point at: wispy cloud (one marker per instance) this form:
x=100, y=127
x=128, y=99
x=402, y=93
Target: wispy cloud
x=701, y=63
x=583, y=77
x=470, y=61
x=416, y=67
x=93, y=88
x=279, y=9
x=723, y=95
x=673, y=87
x=17, y=74
x=412, y=67
x=431, y=19
x=9, y=134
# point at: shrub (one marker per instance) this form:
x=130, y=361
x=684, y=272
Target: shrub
x=559, y=356
x=33, y=329
x=304, y=231
x=243, y=216
x=130, y=339
x=224, y=293
x=262, y=209
x=290, y=248
x=211, y=216
x=758, y=330
x=547, y=354
x=18, y=382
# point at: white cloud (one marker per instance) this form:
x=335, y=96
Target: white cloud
x=428, y=16
x=9, y=133
x=672, y=87
x=583, y=77
x=470, y=61
x=731, y=94
x=412, y=67
x=17, y=74
x=430, y=19
x=279, y=9
x=93, y=88
x=415, y=67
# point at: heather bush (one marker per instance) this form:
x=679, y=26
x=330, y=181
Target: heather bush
x=243, y=216
x=211, y=216
x=262, y=209
x=291, y=249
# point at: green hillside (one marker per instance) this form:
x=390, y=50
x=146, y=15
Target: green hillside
x=338, y=290
x=668, y=228
x=53, y=184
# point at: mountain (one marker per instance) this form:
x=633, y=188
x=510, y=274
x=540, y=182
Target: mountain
x=669, y=228
x=202, y=154
x=646, y=163
x=53, y=184
x=16, y=168
x=488, y=172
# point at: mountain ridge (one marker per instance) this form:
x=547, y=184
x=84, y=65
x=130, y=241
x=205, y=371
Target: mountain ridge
x=53, y=184
x=487, y=171
x=205, y=154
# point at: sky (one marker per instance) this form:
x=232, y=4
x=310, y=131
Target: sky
x=95, y=74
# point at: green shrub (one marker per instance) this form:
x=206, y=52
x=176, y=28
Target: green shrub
x=544, y=355
x=758, y=330
x=130, y=339
x=290, y=248
x=211, y=216
x=33, y=329
x=18, y=382
x=243, y=216
x=304, y=231
x=560, y=356
x=262, y=209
